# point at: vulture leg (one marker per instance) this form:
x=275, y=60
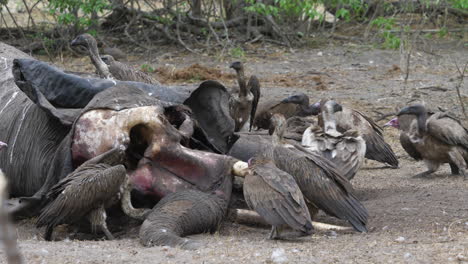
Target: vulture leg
x=454, y=169
x=48, y=233
x=274, y=234
x=98, y=219
x=432, y=167
x=459, y=161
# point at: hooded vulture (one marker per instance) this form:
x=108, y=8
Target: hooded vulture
x=275, y=196
x=321, y=183
x=243, y=106
x=345, y=150
x=436, y=139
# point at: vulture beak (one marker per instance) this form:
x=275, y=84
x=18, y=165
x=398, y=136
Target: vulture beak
x=392, y=123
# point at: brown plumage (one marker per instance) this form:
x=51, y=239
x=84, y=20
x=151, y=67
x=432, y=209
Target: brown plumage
x=275, y=196
x=376, y=147
x=123, y=72
x=437, y=139
x=244, y=105
x=296, y=105
x=320, y=182
x=345, y=150
x=89, y=43
x=85, y=193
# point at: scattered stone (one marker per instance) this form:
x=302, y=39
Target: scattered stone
x=279, y=255
x=407, y=255
x=384, y=228
x=319, y=53
x=400, y=239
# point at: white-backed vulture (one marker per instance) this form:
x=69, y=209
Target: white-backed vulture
x=321, y=183
x=243, y=106
x=345, y=150
x=376, y=147
x=296, y=105
x=275, y=196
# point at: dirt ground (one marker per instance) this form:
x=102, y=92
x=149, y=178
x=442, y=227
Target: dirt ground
x=412, y=220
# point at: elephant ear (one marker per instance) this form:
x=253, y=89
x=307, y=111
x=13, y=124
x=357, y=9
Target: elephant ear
x=210, y=107
x=59, y=94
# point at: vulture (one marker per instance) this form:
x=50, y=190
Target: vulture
x=85, y=192
x=123, y=72
x=89, y=43
x=346, y=150
x=437, y=139
x=243, y=106
x=322, y=184
x=296, y=105
x=376, y=147
x=275, y=196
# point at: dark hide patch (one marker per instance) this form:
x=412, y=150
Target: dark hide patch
x=181, y=214
x=209, y=103
x=70, y=91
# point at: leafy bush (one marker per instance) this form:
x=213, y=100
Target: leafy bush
x=77, y=12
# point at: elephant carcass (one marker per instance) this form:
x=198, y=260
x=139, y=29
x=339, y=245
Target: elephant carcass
x=48, y=140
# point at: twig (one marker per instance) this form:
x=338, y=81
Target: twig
x=457, y=87
x=29, y=13
x=180, y=39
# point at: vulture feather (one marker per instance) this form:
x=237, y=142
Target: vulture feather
x=321, y=183
x=376, y=147
x=85, y=193
x=243, y=105
x=123, y=72
x=274, y=194
x=296, y=105
x=437, y=139
x=345, y=150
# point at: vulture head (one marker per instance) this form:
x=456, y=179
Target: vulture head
x=237, y=66
x=85, y=41
x=300, y=99
x=417, y=109
x=393, y=123
x=107, y=59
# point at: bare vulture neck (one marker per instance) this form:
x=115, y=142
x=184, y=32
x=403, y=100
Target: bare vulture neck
x=241, y=80
x=278, y=135
x=422, y=118
x=102, y=68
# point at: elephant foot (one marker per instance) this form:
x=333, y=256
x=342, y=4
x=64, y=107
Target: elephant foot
x=181, y=214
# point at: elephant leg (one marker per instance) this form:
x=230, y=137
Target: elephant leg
x=454, y=169
x=180, y=214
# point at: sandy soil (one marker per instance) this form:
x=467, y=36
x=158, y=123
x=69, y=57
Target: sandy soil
x=412, y=220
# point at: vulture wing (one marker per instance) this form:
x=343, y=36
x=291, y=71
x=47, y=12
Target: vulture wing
x=82, y=192
x=376, y=147
x=447, y=129
x=254, y=87
x=275, y=195
x=409, y=147
x=323, y=185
